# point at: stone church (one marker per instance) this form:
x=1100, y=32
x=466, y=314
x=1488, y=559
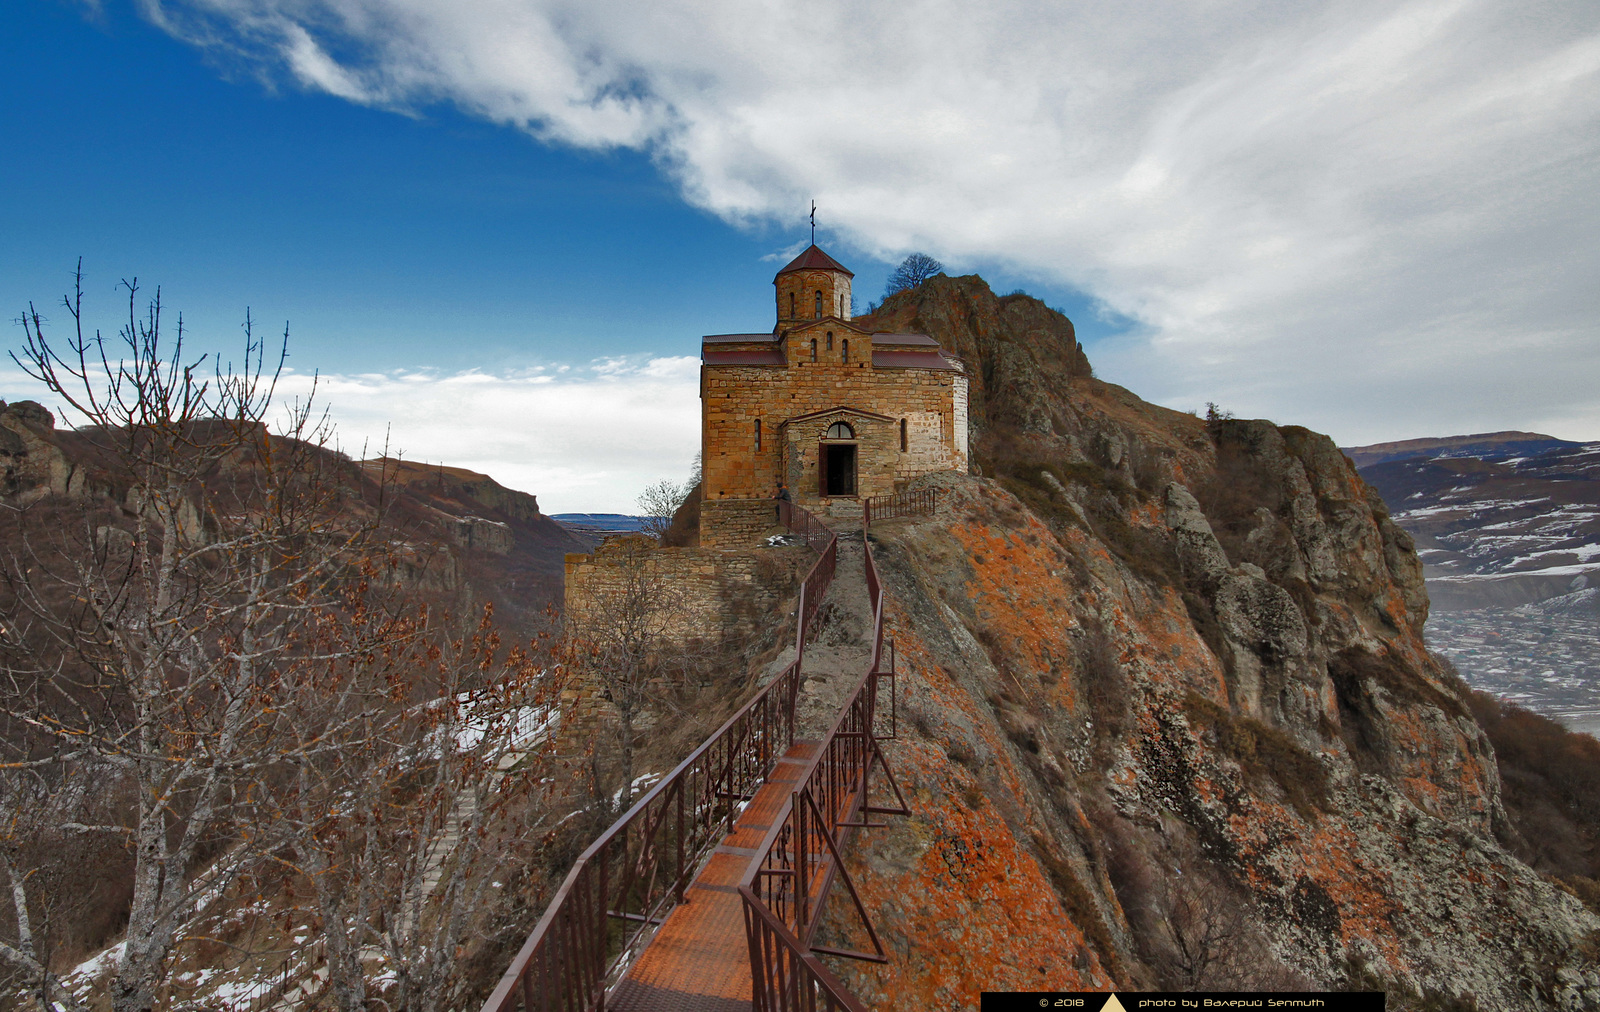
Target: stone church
x=834, y=411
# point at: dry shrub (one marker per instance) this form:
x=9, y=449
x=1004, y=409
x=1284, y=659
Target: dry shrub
x=972, y=796
x=1264, y=752
x=1236, y=488
x=1150, y=466
x=1079, y=905
x=684, y=530
x=1148, y=551
x=1194, y=930
x=1550, y=786
x=1352, y=668
x=1205, y=621
x=1105, y=686
x=1398, y=996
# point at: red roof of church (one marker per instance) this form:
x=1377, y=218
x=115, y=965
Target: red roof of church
x=813, y=259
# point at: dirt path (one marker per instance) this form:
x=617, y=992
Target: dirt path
x=841, y=647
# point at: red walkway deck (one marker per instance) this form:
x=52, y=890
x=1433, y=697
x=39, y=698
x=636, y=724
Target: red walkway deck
x=699, y=960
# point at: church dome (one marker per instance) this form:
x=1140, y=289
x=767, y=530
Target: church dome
x=813, y=259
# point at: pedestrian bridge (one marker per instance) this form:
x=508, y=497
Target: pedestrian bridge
x=707, y=895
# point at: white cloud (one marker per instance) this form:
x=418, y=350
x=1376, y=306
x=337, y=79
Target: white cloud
x=1377, y=218
x=581, y=439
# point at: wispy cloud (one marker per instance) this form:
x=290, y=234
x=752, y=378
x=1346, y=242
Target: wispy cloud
x=1374, y=217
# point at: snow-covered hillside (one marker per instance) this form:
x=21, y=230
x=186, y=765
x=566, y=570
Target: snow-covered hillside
x=1508, y=528
x=1498, y=523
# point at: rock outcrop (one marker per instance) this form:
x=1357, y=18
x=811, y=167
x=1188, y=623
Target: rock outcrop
x=32, y=463
x=1168, y=674
x=1020, y=354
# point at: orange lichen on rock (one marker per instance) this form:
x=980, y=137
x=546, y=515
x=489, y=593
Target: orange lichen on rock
x=1049, y=695
x=954, y=879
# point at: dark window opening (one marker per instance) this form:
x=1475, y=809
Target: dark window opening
x=830, y=340
x=813, y=349
x=838, y=469
x=791, y=306
x=819, y=303
x=840, y=430
x=902, y=435
x=758, y=433
x=845, y=349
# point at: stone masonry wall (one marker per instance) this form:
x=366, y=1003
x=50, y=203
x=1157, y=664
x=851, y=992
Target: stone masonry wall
x=802, y=286
x=735, y=397
x=849, y=347
x=877, y=445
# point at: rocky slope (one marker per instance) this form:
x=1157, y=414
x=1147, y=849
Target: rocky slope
x=1168, y=718
x=497, y=545
x=505, y=549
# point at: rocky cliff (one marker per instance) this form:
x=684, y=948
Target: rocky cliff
x=1167, y=718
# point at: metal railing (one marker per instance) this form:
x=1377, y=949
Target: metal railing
x=786, y=884
x=627, y=881
x=792, y=978
x=921, y=502
x=803, y=522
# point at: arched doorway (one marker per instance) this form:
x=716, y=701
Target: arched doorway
x=836, y=461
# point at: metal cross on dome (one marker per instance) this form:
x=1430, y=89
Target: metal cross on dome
x=813, y=223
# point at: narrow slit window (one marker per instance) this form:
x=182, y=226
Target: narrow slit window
x=791, y=306
x=758, y=433
x=902, y=435
x=813, y=349
x=844, y=349
x=819, y=303
x=830, y=340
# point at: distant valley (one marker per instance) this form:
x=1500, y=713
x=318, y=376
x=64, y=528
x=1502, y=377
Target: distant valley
x=1508, y=528
x=599, y=525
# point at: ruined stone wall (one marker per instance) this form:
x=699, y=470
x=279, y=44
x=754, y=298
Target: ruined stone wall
x=713, y=598
x=735, y=523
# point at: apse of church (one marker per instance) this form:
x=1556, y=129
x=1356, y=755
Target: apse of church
x=834, y=411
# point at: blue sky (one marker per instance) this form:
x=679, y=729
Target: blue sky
x=387, y=241
x=498, y=228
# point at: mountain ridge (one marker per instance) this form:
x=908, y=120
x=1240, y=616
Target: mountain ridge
x=1506, y=443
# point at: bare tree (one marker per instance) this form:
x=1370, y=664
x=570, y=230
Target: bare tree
x=913, y=271
x=629, y=637
x=1209, y=940
x=151, y=617
x=401, y=830
x=660, y=501
x=33, y=813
